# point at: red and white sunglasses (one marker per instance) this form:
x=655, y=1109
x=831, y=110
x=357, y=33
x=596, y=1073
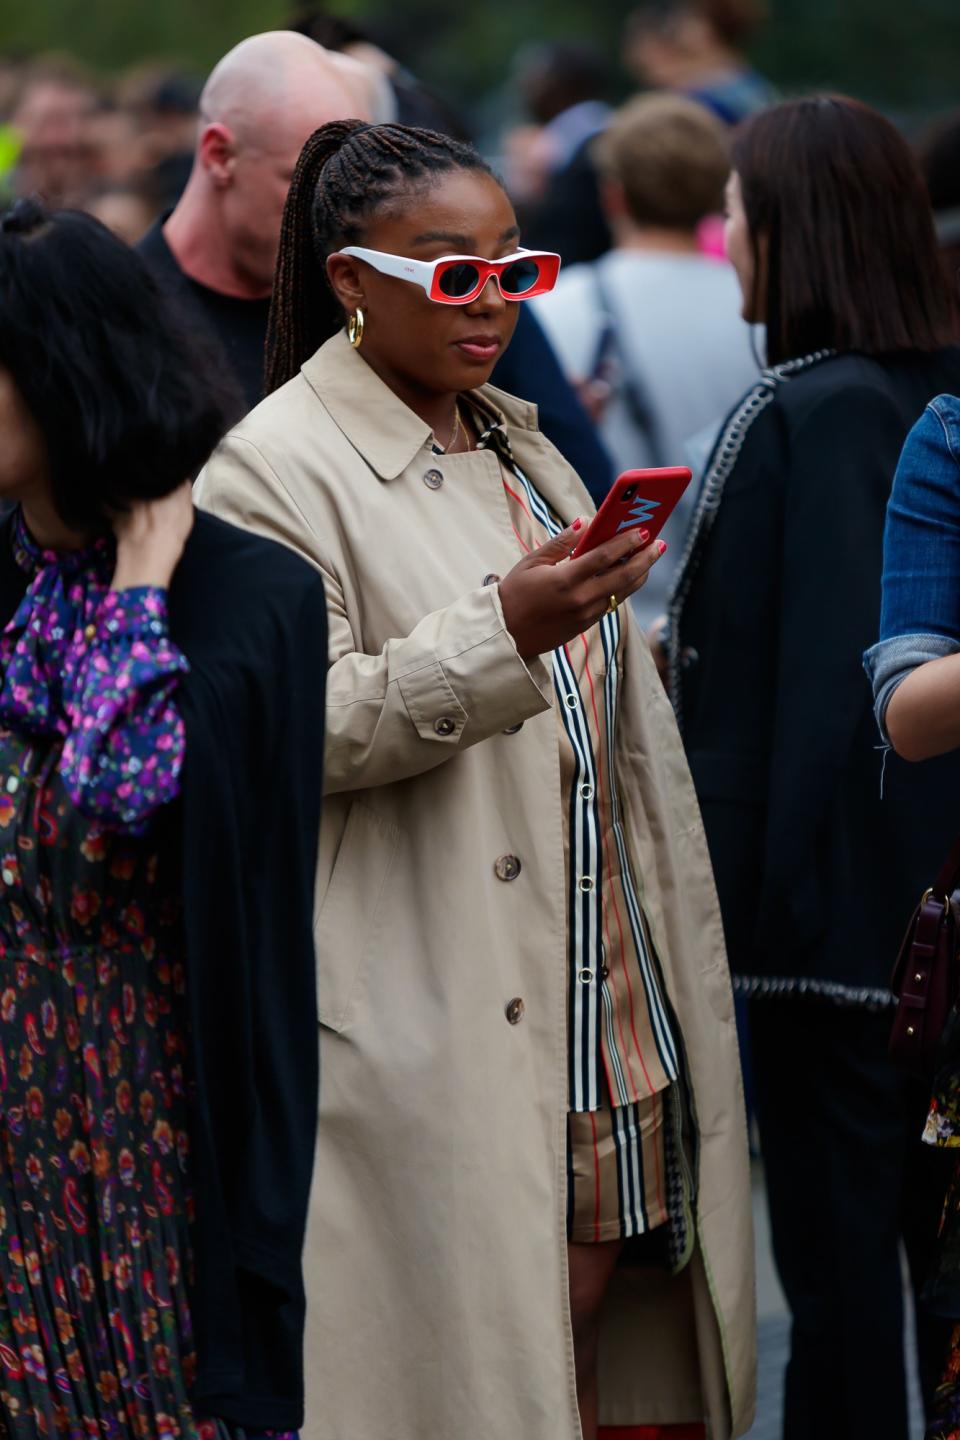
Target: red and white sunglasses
x=458, y=279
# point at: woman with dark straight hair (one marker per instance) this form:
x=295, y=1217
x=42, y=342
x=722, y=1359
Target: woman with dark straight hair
x=158, y=1068
x=831, y=234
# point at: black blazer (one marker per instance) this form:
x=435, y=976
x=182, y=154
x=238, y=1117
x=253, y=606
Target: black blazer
x=777, y=603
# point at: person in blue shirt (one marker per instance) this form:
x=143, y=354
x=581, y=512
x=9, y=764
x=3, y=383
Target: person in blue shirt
x=915, y=672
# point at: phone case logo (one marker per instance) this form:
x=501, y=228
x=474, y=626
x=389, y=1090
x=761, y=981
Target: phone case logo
x=640, y=512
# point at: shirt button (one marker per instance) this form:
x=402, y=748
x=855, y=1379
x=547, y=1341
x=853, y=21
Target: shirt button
x=586, y=883
x=445, y=726
x=586, y=975
x=586, y=792
x=491, y=579
x=515, y=1010
x=507, y=867
x=512, y=729
x=433, y=479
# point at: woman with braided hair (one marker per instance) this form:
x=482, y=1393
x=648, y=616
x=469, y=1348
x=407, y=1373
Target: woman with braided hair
x=532, y=1159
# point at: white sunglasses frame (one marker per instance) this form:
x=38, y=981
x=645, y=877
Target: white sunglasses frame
x=422, y=272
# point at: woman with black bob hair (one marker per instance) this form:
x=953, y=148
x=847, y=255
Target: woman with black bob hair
x=778, y=594
x=157, y=853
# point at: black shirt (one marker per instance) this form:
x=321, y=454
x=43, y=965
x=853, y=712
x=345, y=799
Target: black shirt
x=236, y=327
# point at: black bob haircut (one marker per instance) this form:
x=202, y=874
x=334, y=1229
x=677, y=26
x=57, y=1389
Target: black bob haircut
x=129, y=406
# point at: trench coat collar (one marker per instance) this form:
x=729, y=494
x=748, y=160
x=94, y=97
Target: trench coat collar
x=378, y=425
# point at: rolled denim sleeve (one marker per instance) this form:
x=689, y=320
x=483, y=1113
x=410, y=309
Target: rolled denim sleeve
x=920, y=612
x=889, y=662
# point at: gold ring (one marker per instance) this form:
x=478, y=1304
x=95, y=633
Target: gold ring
x=613, y=605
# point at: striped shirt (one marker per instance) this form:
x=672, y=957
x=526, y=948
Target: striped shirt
x=621, y=1041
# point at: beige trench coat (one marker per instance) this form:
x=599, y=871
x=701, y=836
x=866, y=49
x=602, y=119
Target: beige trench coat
x=436, y=1255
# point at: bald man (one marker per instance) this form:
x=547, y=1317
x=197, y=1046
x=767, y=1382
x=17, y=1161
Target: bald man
x=215, y=252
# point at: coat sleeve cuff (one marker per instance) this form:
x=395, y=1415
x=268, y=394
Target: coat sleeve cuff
x=478, y=684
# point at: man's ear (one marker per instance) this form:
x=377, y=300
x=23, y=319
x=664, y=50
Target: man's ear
x=343, y=272
x=218, y=153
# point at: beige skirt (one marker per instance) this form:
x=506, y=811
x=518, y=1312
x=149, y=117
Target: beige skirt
x=616, y=1171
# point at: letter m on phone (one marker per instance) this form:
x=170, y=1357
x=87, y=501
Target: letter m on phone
x=640, y=512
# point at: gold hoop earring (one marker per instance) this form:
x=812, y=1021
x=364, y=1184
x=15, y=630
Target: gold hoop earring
x=355, y=328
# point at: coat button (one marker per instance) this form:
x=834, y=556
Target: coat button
x=433, y=479
x=445, y=726
x=507, y=867
x=491, y=579
x=515, y=1011
x=512, y=729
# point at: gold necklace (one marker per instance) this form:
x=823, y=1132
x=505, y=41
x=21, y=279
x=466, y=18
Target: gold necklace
x=457, y=427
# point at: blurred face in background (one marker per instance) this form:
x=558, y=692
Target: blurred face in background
x=53, y=118
x=739, y=247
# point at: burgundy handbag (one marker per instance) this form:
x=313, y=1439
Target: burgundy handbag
x=926, y=977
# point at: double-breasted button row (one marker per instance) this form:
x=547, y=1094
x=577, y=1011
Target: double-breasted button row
x=507, y=867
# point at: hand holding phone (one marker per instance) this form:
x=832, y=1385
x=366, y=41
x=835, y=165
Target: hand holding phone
x=548, y=598
x=637, y=500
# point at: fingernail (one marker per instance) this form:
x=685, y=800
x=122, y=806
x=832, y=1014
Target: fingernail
x=577, y=523
x=644, y=536
x=661, y=547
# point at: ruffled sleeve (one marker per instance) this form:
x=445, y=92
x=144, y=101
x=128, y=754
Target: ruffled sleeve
x=124, y=750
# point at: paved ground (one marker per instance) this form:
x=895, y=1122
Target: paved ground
x=774, y=1331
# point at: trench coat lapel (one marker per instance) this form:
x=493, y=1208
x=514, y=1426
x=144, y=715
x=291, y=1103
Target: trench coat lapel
x=353, y=393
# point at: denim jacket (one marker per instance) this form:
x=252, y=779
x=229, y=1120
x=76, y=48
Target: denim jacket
x=920, y=615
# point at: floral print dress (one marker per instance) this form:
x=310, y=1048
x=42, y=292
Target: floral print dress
x=95, y=1204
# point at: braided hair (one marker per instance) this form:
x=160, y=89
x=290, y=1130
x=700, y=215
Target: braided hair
x=346, y=172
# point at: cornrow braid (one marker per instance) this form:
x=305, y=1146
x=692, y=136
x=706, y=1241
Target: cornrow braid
x=346, y=172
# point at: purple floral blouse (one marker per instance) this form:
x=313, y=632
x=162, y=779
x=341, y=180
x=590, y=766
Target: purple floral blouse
x=97, y=667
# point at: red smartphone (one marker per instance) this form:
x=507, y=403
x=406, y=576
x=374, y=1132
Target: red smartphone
x=637, y=500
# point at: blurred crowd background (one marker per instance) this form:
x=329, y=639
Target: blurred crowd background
x=98, y=103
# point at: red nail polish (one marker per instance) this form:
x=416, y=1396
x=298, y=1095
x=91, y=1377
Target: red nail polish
x=662, y=546
x=577, y=523
x=644, y=536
